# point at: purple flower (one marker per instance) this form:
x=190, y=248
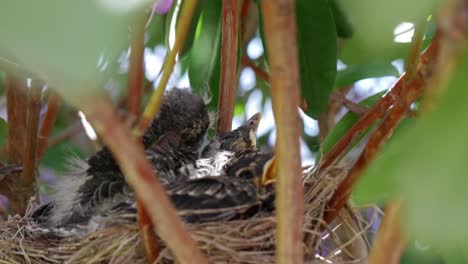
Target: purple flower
x=162, y=6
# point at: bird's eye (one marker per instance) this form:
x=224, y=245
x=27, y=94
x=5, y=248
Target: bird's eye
x=245, y=174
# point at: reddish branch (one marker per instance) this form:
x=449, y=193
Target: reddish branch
x=244, y=14
x=147, y=234
x=69, y=132
x=228, y=82
x=48, y=123
x=135, y=91
x=28, y=181
x=389, y=242
x=128, y=151
x=136, y=71
x=258, y=71
x=17, y=113
x=280, y=32
x=405, y=91
x=374, y=113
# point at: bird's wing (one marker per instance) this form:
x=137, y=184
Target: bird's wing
x=212, y=193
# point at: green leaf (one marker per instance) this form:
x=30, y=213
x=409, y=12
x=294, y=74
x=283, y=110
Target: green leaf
x=346, y=122
x=174, y=14
x=156, y=31
x=428, y=164
x=344, y=28
x=374, y=22
x=354, y=73
x=204, y=65
x=63, y=40
x=317, y=44
x=3, y=131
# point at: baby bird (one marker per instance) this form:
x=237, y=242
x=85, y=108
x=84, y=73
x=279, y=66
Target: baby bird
x=236, y=141
x=172, y=141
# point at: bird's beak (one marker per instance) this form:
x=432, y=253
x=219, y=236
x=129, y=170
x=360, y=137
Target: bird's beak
x=269, y=172
x=254, y=121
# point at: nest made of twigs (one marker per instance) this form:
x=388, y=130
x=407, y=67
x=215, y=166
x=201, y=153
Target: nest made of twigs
x=240, y=241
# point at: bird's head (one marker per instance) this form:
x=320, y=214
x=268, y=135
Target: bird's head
x=244, y=137
x=255, y=166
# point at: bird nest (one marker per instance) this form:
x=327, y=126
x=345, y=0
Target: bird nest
x=237, y=241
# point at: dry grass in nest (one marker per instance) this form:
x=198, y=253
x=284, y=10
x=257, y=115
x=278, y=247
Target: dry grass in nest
x=240, y=241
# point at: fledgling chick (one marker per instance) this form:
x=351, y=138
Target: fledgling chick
x=238, y=140
x=242, y=186
x=171, y=141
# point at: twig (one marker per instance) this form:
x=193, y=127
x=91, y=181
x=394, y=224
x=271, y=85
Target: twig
x=228, y=82
x=341, y=99
x=147, y=235
x=412, y=89
x=16, y=107
x=280, y=32
x=135, y=91
x=28, y=182
x=128, y=152
x=67, y=133
x=136, y=71
x=326, y=121
x=260, y=73
x=183, y=25
x=244, y=14
x=48, y=123
x=389, y=242
x=374, y=114
x=153, y=106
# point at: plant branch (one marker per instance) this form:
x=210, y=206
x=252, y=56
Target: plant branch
x=139, y=174
x=373, y=114
x=28, y=182
x=67, y=133
x=53, y=104
x=260, y=73
x=136, y=71
x=244, y=14
x=389, y=243
x=135, y=91
x=183, y=25
x=17, y=114
x=228, y=82
x=411, y=88
x=280, y=32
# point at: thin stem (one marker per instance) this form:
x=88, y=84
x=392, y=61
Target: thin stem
x=183, y=25
x=136, y=71
x=244, y=15
x=29, y=161
x=17, y=114
x=410, y=92
x=280, y=32
x=228, y=82
x=135, y=91
x=53, y=104
x=260, y=73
